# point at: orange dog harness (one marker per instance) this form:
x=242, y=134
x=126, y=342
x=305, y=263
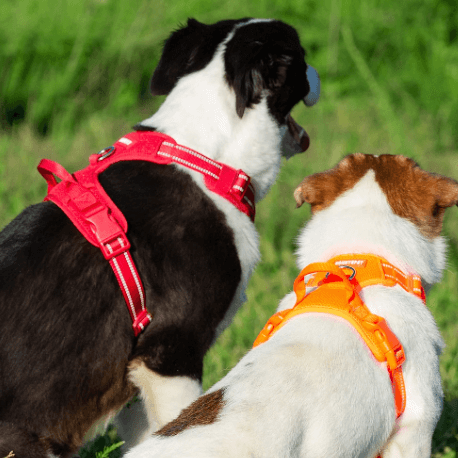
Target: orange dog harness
x=336, y=293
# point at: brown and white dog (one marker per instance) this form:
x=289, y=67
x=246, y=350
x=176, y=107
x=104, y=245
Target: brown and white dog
x=68, y=356
x=314, y=389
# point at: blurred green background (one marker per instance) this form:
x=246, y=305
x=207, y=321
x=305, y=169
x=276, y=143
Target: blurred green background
x=74, y=78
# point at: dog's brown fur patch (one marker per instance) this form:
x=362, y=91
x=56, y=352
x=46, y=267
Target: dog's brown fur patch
x=204, y=411
x=418, y=196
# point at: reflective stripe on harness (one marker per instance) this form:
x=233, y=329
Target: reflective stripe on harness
x=82, y=198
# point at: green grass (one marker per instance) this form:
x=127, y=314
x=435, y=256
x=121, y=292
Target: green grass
x=74, y=76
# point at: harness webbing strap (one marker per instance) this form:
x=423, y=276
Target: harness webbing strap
x=132, y=289
x=234, y=185
x=84, y=210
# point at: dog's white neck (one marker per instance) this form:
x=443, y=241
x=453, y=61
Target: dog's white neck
x=200, y=114
x=362, y=221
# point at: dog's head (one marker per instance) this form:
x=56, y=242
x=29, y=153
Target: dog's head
x=261, y=58
x=412, y=193
x=382, y=201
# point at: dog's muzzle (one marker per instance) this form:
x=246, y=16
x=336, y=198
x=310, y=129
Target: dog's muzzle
x=296, y=139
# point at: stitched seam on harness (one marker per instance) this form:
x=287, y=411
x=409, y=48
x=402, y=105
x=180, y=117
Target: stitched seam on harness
x=189, y=164
x=132, y=271
x=115, y=262
x=206, y=159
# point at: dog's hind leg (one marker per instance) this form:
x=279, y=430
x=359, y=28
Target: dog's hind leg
x=20, y=443
x=161, y=400
x=411, y=440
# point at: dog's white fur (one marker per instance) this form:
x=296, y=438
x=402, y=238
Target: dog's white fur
x=200, y=113
x=314, y=389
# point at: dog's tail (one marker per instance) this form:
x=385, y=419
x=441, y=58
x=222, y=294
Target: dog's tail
x=16, y=442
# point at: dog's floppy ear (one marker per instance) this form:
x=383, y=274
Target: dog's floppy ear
x=445, y=195
x=447, y=192
x=322, y=189
x=253, y=67
x=299, y=198
x=314, y=190
x=177, y=56
x=187, y=50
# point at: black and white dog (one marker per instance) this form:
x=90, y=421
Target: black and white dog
x=68, y=356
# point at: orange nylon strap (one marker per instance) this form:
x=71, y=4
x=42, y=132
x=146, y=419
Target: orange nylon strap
x=334, y=293
x=374, y=270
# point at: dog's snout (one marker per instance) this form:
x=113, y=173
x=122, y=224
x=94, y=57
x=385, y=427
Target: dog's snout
x=314, y=82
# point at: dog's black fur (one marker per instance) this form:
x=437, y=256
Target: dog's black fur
x=257, y=58
x=65, y=333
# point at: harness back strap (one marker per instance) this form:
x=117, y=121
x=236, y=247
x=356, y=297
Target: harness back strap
x=335, y=293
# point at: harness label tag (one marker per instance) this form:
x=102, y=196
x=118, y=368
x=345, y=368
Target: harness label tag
x=352, y=262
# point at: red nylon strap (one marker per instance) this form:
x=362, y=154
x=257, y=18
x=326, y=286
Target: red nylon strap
x=91, y=210
x=234, y=185
x=86, y=211
x=132, y=289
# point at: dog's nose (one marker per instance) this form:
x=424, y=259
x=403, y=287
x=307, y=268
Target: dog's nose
x=314, y=82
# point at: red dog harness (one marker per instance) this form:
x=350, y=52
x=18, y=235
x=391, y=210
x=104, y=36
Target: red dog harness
x=336, y=293
x=82, y=198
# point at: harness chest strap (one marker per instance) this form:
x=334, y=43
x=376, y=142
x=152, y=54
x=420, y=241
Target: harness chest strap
x=88, y=206
x=335, y=294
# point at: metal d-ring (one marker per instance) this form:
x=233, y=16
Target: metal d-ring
x=104, y=153
x=352, y=276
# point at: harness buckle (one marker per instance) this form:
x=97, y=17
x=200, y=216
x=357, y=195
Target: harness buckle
x=387, y=341
x=414, y=285
x=114, y=247
x=240, y=184
x=112, y=239
x=267, y=330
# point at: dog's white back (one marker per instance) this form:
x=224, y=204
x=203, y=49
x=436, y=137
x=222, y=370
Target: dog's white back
x=200, y=112
x=314, y=389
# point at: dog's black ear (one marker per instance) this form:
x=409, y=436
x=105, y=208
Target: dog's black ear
x=187, y=50
x=259, y=59
x=250, y=70
x=177, y=55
